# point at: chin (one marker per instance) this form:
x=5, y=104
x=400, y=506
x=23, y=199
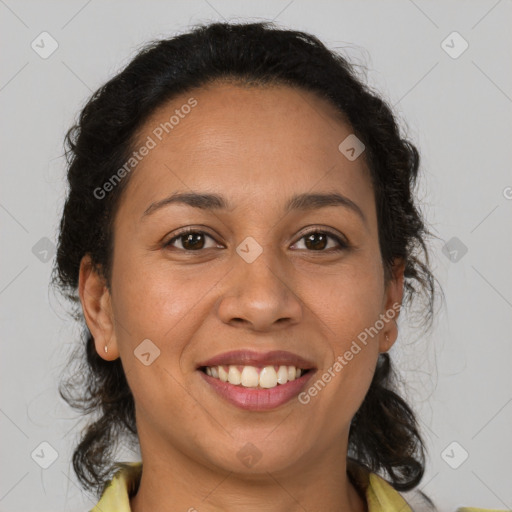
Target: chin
x=255, y=453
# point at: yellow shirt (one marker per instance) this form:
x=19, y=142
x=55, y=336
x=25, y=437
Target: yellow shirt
x=380, y=495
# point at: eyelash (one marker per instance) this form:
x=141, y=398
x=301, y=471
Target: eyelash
x=186, y=231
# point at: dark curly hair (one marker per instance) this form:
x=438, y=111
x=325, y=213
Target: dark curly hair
x=384, y=435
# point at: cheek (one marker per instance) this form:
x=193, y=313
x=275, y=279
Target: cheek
x=349, y=302
x=337, y=391
x=151, y=301
x=349, y=309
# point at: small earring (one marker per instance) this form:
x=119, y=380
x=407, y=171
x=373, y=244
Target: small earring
x=106, y=349
x=387, y=339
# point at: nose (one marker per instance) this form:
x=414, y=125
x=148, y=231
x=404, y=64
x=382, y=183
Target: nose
x=260, y=295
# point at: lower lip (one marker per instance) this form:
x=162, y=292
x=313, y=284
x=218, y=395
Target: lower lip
x=256, y=399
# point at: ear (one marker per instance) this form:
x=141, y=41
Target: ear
x=97, y=308
x=391, y=305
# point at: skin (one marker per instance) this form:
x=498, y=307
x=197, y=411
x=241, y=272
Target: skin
x=258, y=147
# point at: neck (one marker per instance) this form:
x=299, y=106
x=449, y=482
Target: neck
x=175, y=482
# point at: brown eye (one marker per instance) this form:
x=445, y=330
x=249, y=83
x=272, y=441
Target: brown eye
x=317, y=241
x=190, y=240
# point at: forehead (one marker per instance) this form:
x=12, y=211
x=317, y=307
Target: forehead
x=255, y=144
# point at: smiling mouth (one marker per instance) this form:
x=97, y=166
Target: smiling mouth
x=258, y=377
x=256, y=381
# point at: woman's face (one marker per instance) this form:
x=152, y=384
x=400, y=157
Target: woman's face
x=259, y=284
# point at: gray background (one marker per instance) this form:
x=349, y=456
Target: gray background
x=456, y=110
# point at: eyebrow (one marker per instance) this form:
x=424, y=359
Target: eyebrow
x=302, y=202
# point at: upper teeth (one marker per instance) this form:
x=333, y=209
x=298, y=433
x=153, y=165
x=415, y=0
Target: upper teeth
x=252, y=377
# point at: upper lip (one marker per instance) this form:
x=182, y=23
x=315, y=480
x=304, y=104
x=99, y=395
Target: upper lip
x=252, y=358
